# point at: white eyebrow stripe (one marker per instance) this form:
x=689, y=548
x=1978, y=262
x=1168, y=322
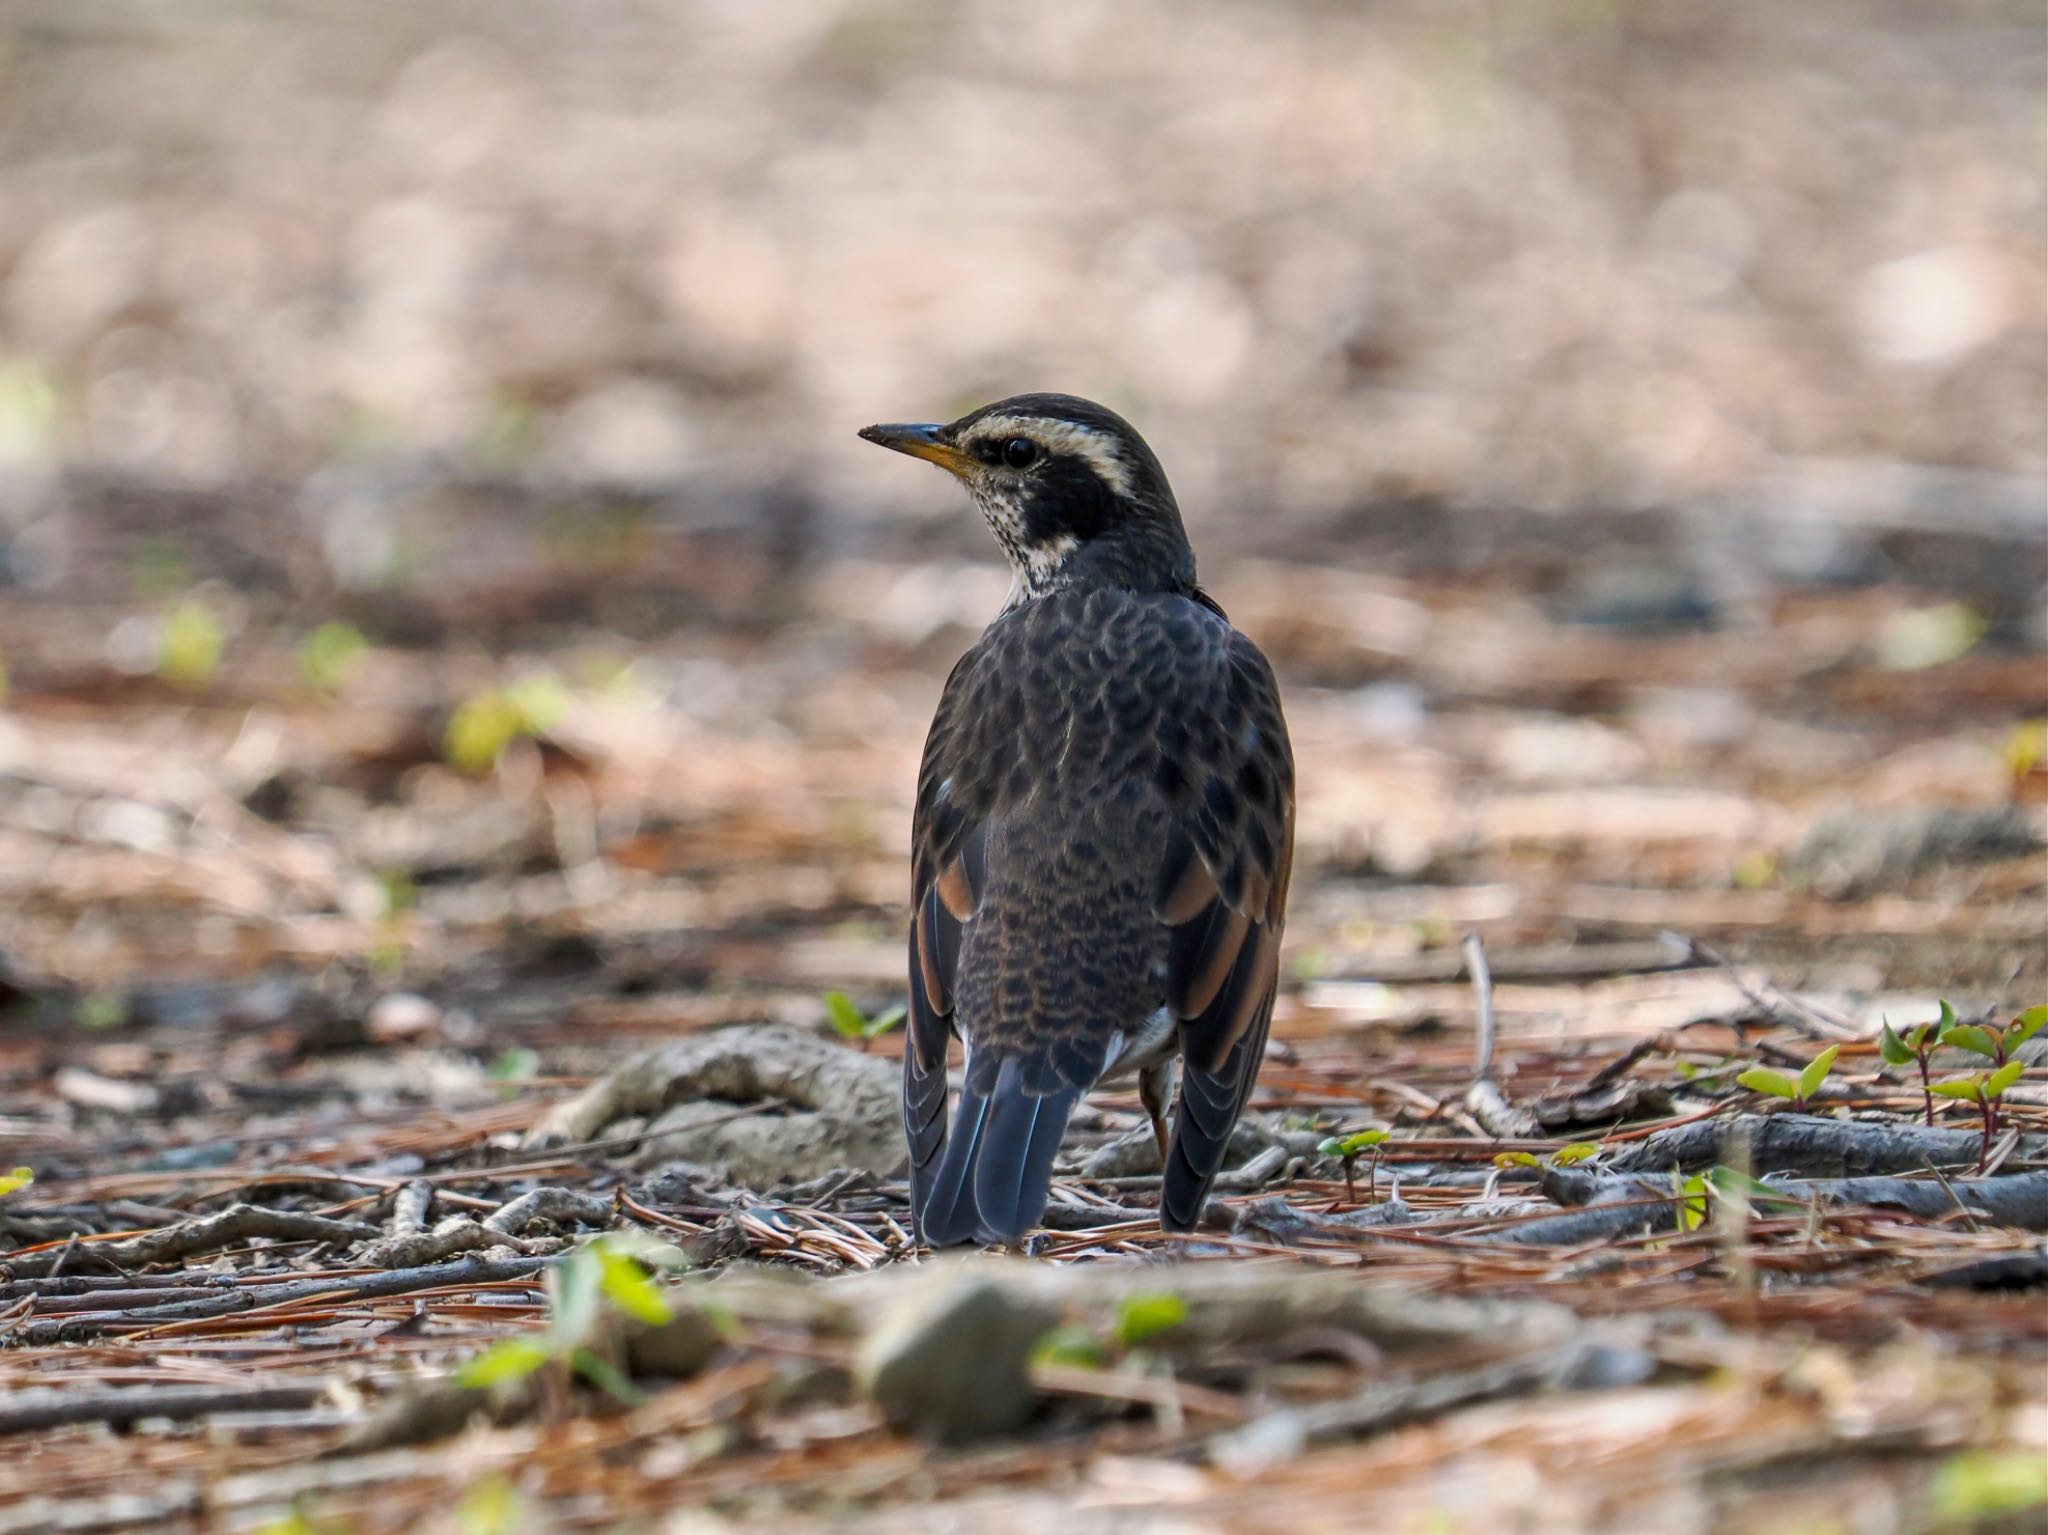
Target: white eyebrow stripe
x=1101, y=450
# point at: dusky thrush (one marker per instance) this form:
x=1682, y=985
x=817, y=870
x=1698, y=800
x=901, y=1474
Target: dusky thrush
x=1103, y=832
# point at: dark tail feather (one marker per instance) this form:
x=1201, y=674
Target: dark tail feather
x=947, y=1215
x=991, y=1183
x=1013, y=1174
x=1210, y=1102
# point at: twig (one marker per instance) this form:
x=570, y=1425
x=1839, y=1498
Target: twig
x=205, y=1233
x=551, y=1204
x=410, y=1207
x=1615, y=1069
x=177, y=1404
x=251, y=1298
x=457, y=1234
x=1484, y=1099
x=1474, y=950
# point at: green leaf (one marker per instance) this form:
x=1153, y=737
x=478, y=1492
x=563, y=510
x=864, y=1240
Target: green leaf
x=1146, y=1316
x=102, y=1010
x=518, y=1064
x=539, y=702
x=882, y=1022
x=1946, y=1021
x=1760, y=1079
x=1069, y=1345
x=1969, y=1037
x=1734, y=1183
x=607, y=1377
x=1894, y=1049
x=1507, y=1159
x=19, y=1178
x=1573, y=1154
x=1816, y=1071
x=299, y=1522
x=844, y=1017
x=1984, y=1485
x=1970, y=1089
x=1919, y=1038
x=627, y=1286
x=330, y=654
x=1692, y=1202
x=189, y=644
x=490, y=1506
x=2025, y=1027
x=2004, y=1077
x=1351, y=1145
x=511, y=1359
x=479, y=731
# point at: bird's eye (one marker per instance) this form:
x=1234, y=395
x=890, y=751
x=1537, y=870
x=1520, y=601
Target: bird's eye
x=1018, y=452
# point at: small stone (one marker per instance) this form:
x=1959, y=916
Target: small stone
x=952, y=1361
x=402, y=1015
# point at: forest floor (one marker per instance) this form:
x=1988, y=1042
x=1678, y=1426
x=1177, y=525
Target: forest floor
x=319, y=937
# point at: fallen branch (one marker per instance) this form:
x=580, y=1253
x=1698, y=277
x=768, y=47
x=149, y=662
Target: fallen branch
x=205, y=1233
x=457, y=1234
x=1809, y=1146
x=340, y=1287
x=2018, y=1200
x=562, y=1206
x=175, y=1404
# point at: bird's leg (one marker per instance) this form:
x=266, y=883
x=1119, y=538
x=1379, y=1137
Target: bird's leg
x=1152, y=1083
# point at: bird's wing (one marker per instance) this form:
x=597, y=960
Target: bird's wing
x=1173, y=720
x=1228, y=773
x=947, y=869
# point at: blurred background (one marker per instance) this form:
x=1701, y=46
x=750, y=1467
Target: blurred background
x=442, y=595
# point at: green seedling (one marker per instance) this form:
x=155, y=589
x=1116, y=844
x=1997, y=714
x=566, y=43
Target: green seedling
x=189, y=643
x=609, y=1272
x=1917, y=1048
x=15, y=1180
x=1570, y=1155
x=1071, y=1345
x=1986, y=1087
x=1349, y=1148
x=329, y=655
x=1798, y=1090
x=300, y=1521
x=1986, y=1486
x=1729, y=1185
x=100, y=1011
x=482, y=727
x=490, y=1505
x=1139, y=1319
x=515, y=1064
x=848, y=1022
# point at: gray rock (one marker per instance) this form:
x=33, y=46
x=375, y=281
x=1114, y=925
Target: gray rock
x=952, y=1360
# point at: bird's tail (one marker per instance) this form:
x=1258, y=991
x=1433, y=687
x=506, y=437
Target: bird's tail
x=991, y=1184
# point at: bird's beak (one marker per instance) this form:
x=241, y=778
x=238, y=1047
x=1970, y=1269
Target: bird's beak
x=920, y=442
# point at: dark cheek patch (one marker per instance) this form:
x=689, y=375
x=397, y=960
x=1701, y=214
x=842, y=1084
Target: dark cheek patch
x=1066, y=500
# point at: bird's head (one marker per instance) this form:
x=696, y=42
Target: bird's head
x=1070, y=489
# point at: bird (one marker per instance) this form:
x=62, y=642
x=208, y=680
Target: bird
x=1102, y=835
